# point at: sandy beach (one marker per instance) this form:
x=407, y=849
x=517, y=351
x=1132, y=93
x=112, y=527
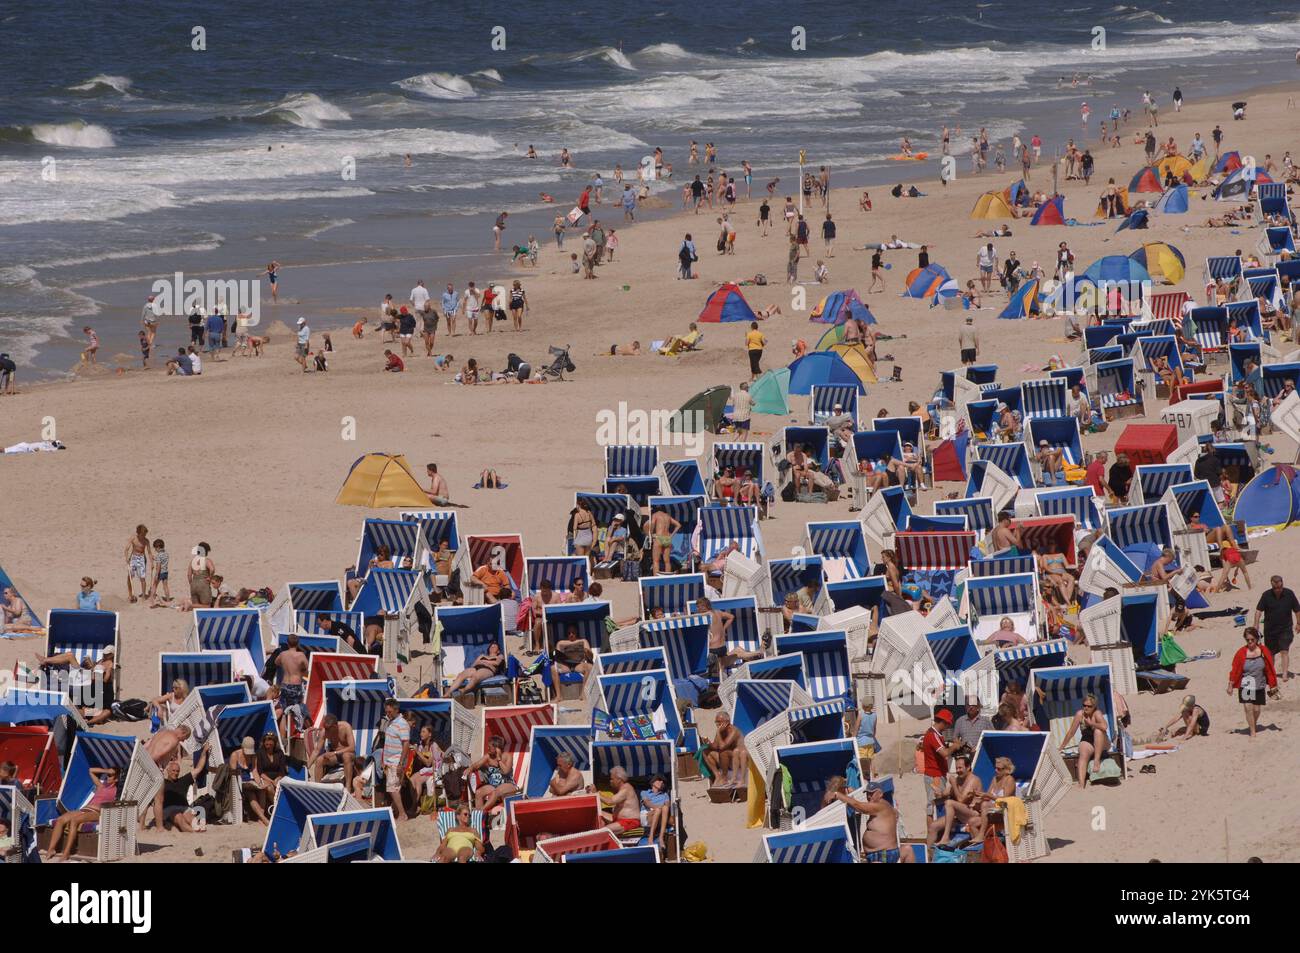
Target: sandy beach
x=250, y=455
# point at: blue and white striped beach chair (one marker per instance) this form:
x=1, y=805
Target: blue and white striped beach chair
x=1145, y=525
x=789, y=667
x=925, y=523
x=642, y=760
x=237, y=631
x=824, y=398
x=644, y=854
x=759, y=700
x=1159, y=346
x=27, y=705
x=685, y=641
x=810, y=765
x=453, y=724
x=991, y=598
x=1238, y=355
x=1117, y=389
x=641, y=693
x=604, y=507
x=233, y=723
x=869, y=446
x=1151, y=480
x=295, y=597
x=743, y=458
x=560, y=571
x=467, y=631
x=746, y=631
x=1275, y=377
x=810, y=845
x=1211, y=329
x=586, y=618
x=682, y=477
x=790, y=575
x=866, y=593
x=1276, y=240
x=826, y=662
x=547, y=744
x=84, y=634
x=311, y=636
x=1081, y=502
x=883, y=515
x=402, y=537
x=843, y=542
x=814, y=441
x=988, y=678
x=1041, y=779
x=1011, y=458
x=1044, y=397
x=1056, y=695
x=686, y=511
x=295, y=802
x=394, y=594
x=622, y=663
x=720, y=526
x=635, y=469
x=670, y=593
x=376, y=823
x=361, y=705
x=1272, y=200
x=1223, y=267
x=1247, y=316
x=1072, y=376
x=978, y=511
x=437, y=527
x=195, y=668
x=139, y=778
x=1106, y=567
x=1001, y=564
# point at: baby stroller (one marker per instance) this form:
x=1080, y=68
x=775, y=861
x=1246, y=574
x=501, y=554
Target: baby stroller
x=561, y=364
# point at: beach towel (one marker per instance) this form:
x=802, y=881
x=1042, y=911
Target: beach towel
x=1171, y=653
x=1109, y=771
x=1016, y=816
x=499, y=486
x=39, y=446
x=756, y=798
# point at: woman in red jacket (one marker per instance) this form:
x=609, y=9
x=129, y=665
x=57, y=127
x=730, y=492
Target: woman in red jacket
x=1252, y=669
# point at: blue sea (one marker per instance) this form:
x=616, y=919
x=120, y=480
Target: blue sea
x=126, y=154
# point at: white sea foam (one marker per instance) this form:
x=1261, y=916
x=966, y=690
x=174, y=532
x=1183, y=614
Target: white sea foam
x=73, y=135
x=211, y=243
x=333, y=223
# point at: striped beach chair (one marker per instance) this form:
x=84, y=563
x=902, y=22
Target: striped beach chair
x=686, y=511
x=790, y=575
x=1211, y=330
x=824, y=398
x=746, y=630
x=1056, y=694
x=644, y=854
x=909, y=429
x=320, y=596
x=438, y=527
x=623, y=663
x=311, y=636
x=681, y=477
x=788, y=667
x=1124, y=632
x=869, y=446
x=815, y=441
x=585, y=619
x=453, y=724
x=1011, y=458
x=759, y=700
x=1275, y=377
x=1061, y=433
x=991, y=598
x=1043, y=398
x=988, y=678
x=349, y=850
x=821, y=721
x=139, y=781
x=504, y=551
x=295, y=802
x=1150, y=524
x=195, y=668
x=466, y=633
x=978, y=511
x=1196, y=497
x=936, y=665
x=394, y=594
x=1046, y=535
x=526, y=818
x=1117, y=389
x=1041, y=777
x=1151, y=480
x=1272, y=199
x=826, y=662
x=883, y=515
x=842, y=546
x=402, y=537
x=671, y=593
x=642, y=693
x=325, y=667
x=810, y=845
x=553, y=850
x=1081, y=502
x=809, y=765
x=1167, y=305
x=743, y=458
x=990, y=480
x=642, y=760
x=361, y=705
x=931, y=560
x=562, y=572
x=513, y=723
x=1238, y=355
x=684, y=639
x=866, y=593
x=17, y=812
x=720, y=526
x=1276, y=240
x=547, y=743
x=84, y=634
x=927, y=523
x=1001, y=564
x=376, y=823
x=237, y=631
x=233, y=723
x=1106, y=567
x=634, y=467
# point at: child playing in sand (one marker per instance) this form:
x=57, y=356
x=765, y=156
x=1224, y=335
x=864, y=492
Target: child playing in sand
x=92, y=345
x=573, y=261
x=443, y=361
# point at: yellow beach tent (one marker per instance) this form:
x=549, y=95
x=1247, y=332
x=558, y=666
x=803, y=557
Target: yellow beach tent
x=1177, y=164
x=1162, y=261
x=379, y=480
x=1123, y=195
x=855, y=355
x=992, y=205
x=1201, y=169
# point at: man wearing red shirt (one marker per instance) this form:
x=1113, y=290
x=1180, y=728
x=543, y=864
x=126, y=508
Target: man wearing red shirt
x=1096, y=474
x=935, y=754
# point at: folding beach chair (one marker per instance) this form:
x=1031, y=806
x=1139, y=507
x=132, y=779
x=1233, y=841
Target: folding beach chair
x=671, y=593
x=685, y=510
x=295, y=802
x=842, y=546
x=991, y=598
x=547, y=743
x=554, y=850
x=84, y=634
x=826, y=662
x=809, y=765
x=466, y=633
x=681, y=477
x=236, y=631
x=884, y=514
x=1042, y=779
x=720, y=526
x=759, y=700
x=824, y=398
x=1081, y=502
x=562, y=572
x=988, y=678
x=377, y=823
x=528, y=817
x=194, y=668
x=325, y=667
x=1056, y=694
x=642, y=760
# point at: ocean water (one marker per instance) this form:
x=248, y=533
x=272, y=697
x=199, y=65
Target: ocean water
x=126, y=155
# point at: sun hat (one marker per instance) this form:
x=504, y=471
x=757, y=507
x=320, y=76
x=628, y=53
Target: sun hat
x=248, y=745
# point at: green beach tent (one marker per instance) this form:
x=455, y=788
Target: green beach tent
x=709, y=404
x=771, y=392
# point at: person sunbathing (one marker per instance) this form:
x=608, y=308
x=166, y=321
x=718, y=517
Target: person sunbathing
x=572, y=654
x=685, y=342
x=106, y=782
x=1094, y=739
x=496, y=583
x=724, y=487
x=800, y=469
x=13, y=611
x=496, y=775
x=657, y=804
x=334, y=753
x=725, y=755
x=624, y=350
x=566, y=779
x=461, y=843
x=1056, y=575
x=1050, y=459
x=748, y=493
x=382, y=559
x=764, y=313
x=1006, y=634
x=911, y=463
x=961, y=801
x=487, y=665
x=998, y=231
x=622, y=804
x=1002, y=785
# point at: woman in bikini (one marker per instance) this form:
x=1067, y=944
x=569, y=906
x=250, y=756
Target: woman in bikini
x=496, y=779
x=1057, y=575
x=724, y=487
x=1094, y=737
x=584, y=529
x=105, y=781
x=461, y=843
x=490, y=663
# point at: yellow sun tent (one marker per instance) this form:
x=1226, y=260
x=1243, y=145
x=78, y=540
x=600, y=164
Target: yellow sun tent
x=855, y=355
x=834, y=335
x=379, y=480
x=1123, y=194
x=992, y=205
x=1177, y=164
x=1201, y=170
x=1162, y=261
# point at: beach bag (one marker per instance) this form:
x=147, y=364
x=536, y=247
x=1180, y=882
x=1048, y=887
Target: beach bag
x=943, y=855
x=1171, y=653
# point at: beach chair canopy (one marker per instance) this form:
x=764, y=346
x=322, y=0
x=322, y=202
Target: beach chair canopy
x=1011, y=458
x=1080, y=502
x=231, y=630
x=683, y=477
x=295, y=802
x=401, y=537
x=685, y=641
x=841, y=540
x=547, y=743
x=809, y=765
x=720, y=526
x=378, y=480
x=504, y=552
x=826, y=662
x=562, y=572
x=587, y=619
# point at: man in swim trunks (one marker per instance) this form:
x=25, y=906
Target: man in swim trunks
x=438, y=492
x=880, y=833
x=139, y=559
x=292, y=666
x=726, y=755
x=335, y=750
x=1007, y=536
x=567, y=779
x=720, y=622
x=662, y=527
x=625, y=812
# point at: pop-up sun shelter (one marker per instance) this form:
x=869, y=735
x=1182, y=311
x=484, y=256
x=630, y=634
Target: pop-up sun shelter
x=1173, y=202
x=771, y=392
x=1162, y=261
x=727, y=304
x=822, y=368
x=380, y=480
x=703, y=412
x=924, y=282
x=1051, y=212
x=1147, y=179
x=838, y=306
x=992, y=205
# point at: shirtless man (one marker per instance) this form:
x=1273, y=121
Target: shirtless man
x=1007, y=535
x=292, y=666
x=163, y=747
x=726, y=755
x=961, y=802
x=438, y=492
x=624, y=809
x=720, y=622
x=13, y=610
x=1049, y=458
x=567, y=779
x=1161, y=570
x=139, y=562
x=335, y=748
x=880, y=832
x=799, y=469
x=662, y=527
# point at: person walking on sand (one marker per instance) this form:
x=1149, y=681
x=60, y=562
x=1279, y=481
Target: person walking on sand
x=92, y=345
x=138, y=557
x=304, y=343
x=450, y=305
x=1253, y=677
x=1279, y=609
x=828, y=235
x=273, y=276
x=754, y=344
x=498, y=229
x=968, y=340
x=987, y=260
